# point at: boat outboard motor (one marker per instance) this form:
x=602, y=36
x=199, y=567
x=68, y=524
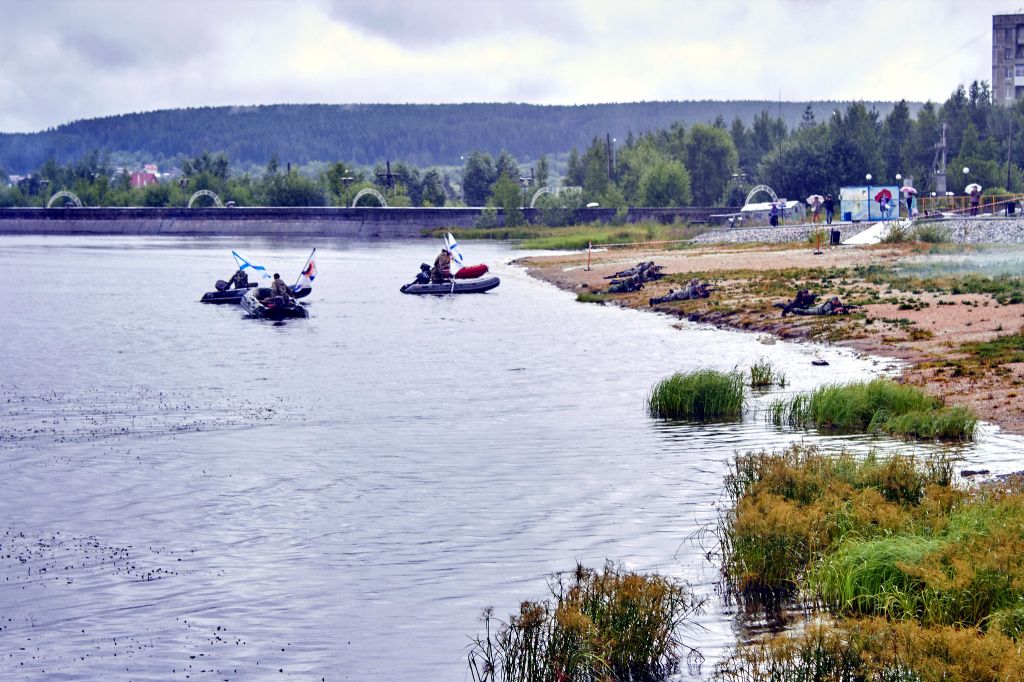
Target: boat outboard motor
x=221, y=285
x=423, y=277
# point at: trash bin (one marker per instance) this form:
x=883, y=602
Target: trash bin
x=835, y=236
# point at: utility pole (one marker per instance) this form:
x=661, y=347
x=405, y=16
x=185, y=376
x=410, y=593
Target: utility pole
x=388, y=177
x=608, y=143
x=1009, y=148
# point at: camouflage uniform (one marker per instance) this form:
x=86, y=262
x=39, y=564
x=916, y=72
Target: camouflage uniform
x=239, y=280
x=279, y=288
x=441, y=272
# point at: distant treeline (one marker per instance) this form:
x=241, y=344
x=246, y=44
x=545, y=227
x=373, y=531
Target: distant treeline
x=420, y=134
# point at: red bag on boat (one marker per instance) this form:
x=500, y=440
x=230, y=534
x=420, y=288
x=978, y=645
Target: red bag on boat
x=471, y=271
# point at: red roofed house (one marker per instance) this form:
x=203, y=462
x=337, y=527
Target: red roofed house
x=140, y=179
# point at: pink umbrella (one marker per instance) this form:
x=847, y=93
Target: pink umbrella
x=908, y=190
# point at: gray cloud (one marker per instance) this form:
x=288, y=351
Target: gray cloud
x=416, y=23
x=61, y=61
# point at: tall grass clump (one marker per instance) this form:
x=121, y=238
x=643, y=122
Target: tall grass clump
x=596, y=625
x=763, y=375
x=930, y=233
x=701, y=395
x=880, y=405
x=791, y=509
x=876, y=649
x=967, y=573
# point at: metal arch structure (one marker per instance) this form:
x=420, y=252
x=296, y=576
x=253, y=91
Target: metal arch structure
x=757, y=190
x=369, y=190
x=206, y=193
x=557, y=191
x=64, y=193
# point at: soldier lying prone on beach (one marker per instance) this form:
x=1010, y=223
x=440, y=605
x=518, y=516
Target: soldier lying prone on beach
x=691, y=291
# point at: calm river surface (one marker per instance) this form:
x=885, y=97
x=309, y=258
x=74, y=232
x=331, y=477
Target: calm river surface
x=184, y=492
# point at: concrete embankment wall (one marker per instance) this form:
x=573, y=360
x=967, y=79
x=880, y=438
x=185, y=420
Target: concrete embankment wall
x=349, y=223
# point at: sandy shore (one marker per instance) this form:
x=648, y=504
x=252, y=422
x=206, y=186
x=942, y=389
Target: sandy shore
x=926, y=330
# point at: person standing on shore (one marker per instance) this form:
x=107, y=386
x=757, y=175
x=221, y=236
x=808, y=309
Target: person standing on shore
x=830, y=207
x=975, y=199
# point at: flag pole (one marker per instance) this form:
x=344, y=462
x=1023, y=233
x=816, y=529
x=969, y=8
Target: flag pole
x=303, y=268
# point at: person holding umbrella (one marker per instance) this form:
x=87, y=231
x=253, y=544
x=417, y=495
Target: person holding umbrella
x=814, y=201
x=909, y=193
x=975, y=191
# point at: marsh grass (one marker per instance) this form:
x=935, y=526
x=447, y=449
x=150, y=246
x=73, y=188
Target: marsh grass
x=876, y=649
x=880, y=405
x=924, y=581
x=589, y=297
x=596, y=625
x=968, y=572
x=702, y=395
x=790, y=509
x=576, y=237
x=763, y=375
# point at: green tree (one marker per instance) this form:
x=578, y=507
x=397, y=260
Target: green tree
x=507, y=165
x=433, y=193
x=543, y=174
x=290, y=189
x=710, y=156
x=508, y=197
x=575, y=172
x=665, y=184
x=215, y=165
x=478, y=175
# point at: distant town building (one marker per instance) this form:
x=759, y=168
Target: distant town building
x=152, y=169
x=141, y=179
x=1007, y=58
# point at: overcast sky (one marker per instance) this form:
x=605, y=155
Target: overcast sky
x=62, y=61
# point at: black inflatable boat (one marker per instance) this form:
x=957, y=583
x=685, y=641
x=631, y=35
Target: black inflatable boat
x=259, y=303
x=235, y=295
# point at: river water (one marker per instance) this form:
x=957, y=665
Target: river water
x=188, y=493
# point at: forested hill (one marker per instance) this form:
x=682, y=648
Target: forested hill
x=423, y=134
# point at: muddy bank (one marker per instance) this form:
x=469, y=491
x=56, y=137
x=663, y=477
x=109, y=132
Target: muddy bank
x=932, y=331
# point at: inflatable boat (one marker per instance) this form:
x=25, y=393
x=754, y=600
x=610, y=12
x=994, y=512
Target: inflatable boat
x=235, y=295
x=258, y=302
x=456, y=286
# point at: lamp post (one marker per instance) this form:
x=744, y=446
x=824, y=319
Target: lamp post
x=867, y=213
x=966, y=171
x=899, y=178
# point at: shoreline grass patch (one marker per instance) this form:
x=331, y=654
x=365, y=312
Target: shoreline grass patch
x=596, y=625
x=763, y=375
x=791, y=509
x=876, y=649
x=877, y=406
x=703, y=395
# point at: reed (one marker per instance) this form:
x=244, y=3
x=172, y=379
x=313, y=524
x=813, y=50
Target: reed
x=792, y=509
x=876, y=649
x=763, y=375
x=880, y=405
x=596, y=625
x=701, y=395
x=968, y=574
